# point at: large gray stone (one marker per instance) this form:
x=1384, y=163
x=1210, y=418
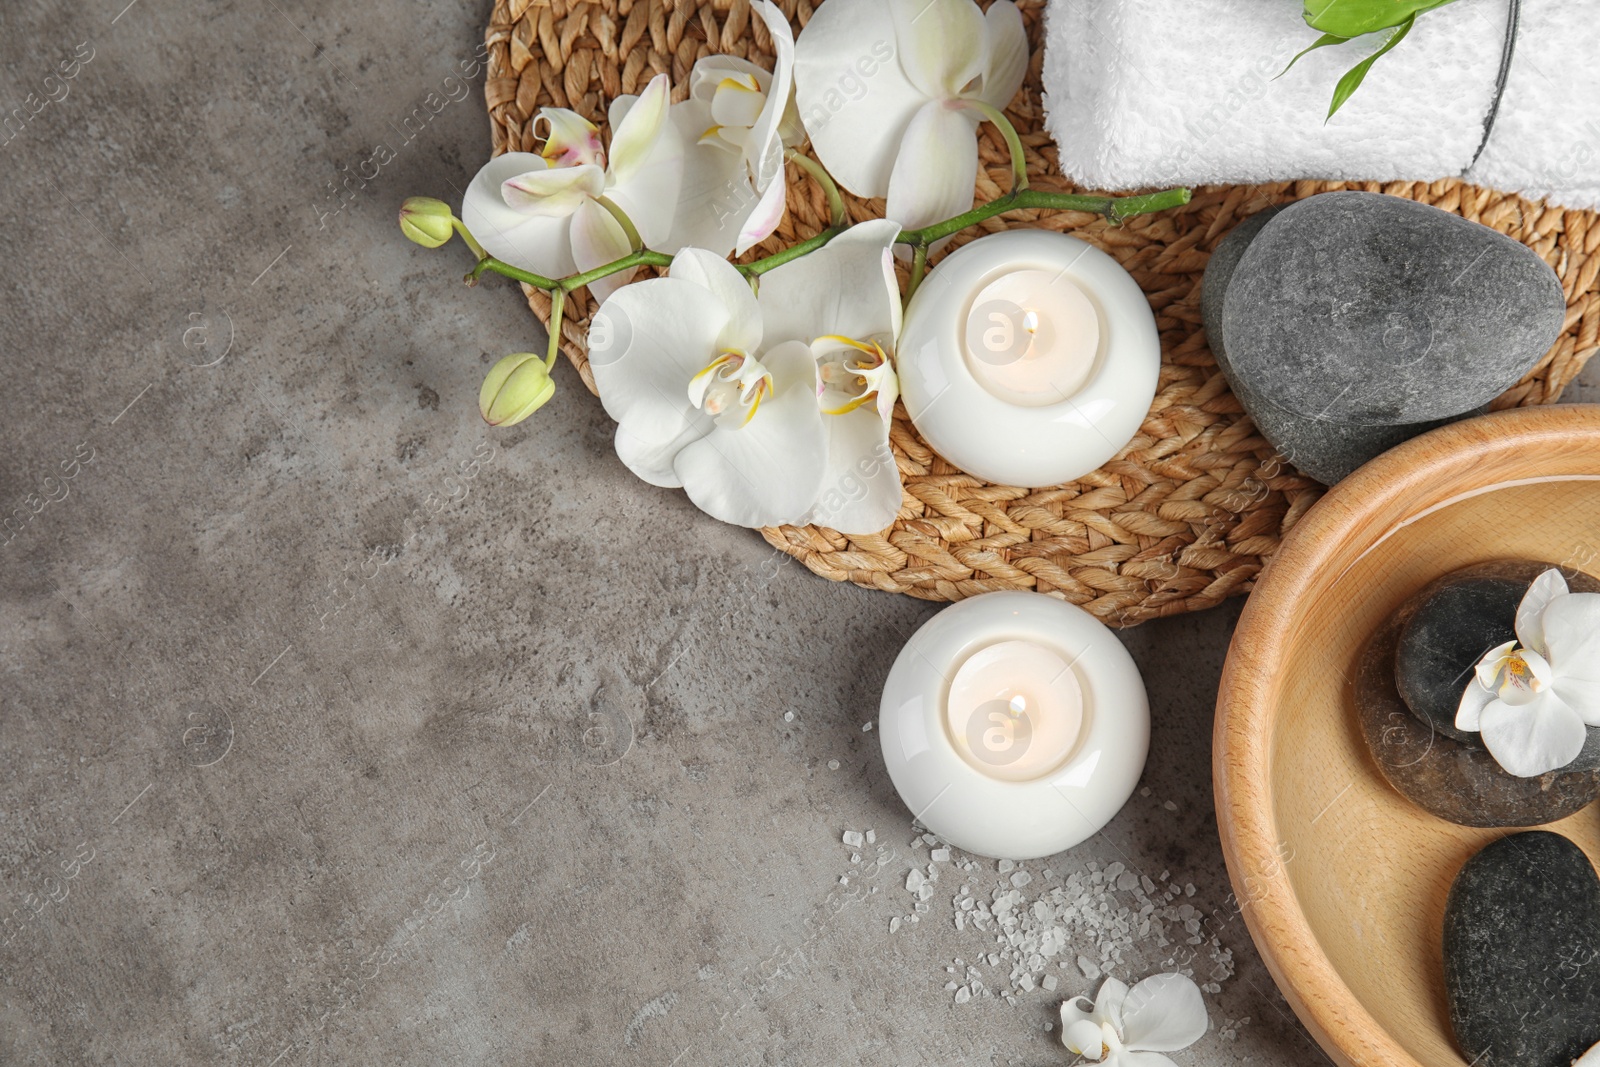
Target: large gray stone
x=1350, y=322
x=1522, y=953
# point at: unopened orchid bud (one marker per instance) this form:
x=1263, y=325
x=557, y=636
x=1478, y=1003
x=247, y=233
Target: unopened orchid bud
x=515, y=388
x=427, y=221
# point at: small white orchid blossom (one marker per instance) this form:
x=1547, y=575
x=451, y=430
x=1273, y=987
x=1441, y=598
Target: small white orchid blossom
x=736, y=122
x=716, y=390
x=552, y=213
x=1534, y=699
x=1131, y=1028
x=887, y=90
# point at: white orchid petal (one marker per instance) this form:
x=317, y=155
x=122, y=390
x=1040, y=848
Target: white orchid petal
x=1470, y=711
x=1074, y=1010
x=737, y=102
x=1528, y=740
x=1164, y=1013
x=1572, y=636
x=1492, y=663
x=840, y=289
x=861, y=485
x=651, y=193
x=942, y=44
x=1108, y=1003
x=709, y=72
x=1545, y=588
x=937, y=169
x=1083, y=1036
x=765, y=218
x=556, y=192
x=634, y=138
x=597, y=239
x=570, y=139
x=765, y=472
x=645, y=343
x=715, y=195
x=1588, y=1059
x=765, y=146
x=854, y=99
x=1007, y=58
x=533, y=242
x=743, y=332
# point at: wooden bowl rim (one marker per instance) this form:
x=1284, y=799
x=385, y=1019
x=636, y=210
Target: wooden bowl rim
x=1423, y=474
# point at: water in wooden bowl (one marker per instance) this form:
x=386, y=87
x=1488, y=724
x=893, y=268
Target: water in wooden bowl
x=1343, y=880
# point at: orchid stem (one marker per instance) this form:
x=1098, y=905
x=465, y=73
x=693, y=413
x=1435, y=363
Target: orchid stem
x=1115, y=208
x=778, y=259
x=558, y=303
x=628, y=228
x=919, y=266
x=1019, y=162
x=820, y=175
x=466, y=236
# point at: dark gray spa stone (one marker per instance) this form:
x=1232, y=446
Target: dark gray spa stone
x=1522, y=953
x=1377, y=310
x=1325, y=449
x=1349, y=322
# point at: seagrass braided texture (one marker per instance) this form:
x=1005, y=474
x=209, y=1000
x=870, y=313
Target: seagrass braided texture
x=1187, y=513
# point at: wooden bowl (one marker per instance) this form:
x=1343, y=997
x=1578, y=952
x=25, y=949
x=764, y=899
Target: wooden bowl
x=1340, y=879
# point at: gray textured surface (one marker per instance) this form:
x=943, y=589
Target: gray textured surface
x=279, y=682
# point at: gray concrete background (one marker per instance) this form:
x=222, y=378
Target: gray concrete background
x=338, y=728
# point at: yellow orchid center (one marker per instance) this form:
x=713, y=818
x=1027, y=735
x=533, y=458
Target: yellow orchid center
x=858, y=373
x=731, y=388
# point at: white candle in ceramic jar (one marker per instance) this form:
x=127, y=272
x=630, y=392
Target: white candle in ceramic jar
x=1014, y=725
x=1028, y=358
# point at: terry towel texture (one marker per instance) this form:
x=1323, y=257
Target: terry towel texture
x=1181, y=92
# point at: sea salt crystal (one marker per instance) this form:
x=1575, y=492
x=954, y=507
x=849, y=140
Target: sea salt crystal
x=872, y=836
x=914, y=880
x=1087, y=966
x=833, y=765
x=788, y=716
x=1021, y=878
x=1050, y=984
x=852, y=838
x=1128, y=881
x=894, y=925
x=1169, y=805
x=963, y=995
x=866, y=727
x=1006, y=866
x=941, y=854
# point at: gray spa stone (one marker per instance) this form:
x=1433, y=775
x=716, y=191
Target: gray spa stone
x=1522, y=953
x=1349, y=322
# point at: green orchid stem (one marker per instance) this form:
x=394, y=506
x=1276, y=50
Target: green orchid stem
x=558, y=303
x=919, y=267
x=824, y=179
x=778, y=259
x=466, y=235
x=1115, y=208
x=635, y=242
x=642, y=258
x=1019, y=162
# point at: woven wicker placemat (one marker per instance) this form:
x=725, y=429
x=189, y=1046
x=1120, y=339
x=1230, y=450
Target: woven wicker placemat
x=1185, y=515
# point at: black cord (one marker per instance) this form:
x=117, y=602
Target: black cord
x=1506, y=53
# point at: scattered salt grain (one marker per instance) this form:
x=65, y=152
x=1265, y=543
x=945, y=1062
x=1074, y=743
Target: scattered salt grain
x=1169, y=805
x=853, y=838
x=833, y=765
x=1021, y=878
x=872, y=835
x=788, y=716
x=942, y=855
x=1007, y=866
x=894, y=925
x=866, y=727
x=1050, y=984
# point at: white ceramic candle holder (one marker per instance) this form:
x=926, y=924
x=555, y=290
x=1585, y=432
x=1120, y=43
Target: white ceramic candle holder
x=1014, y=725
x=1028, y=358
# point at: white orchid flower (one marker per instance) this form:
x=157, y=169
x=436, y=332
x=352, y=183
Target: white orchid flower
x=552, y=213
x=887, y=88
x=737, y=120
x=1588, y=1059
x=1533, y=699
x=716, y=390
x=1131, y=1028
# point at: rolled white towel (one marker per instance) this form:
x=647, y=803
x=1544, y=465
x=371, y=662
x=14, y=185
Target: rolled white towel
x=1181, y=92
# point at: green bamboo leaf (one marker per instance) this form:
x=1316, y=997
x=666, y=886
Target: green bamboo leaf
x=1352, y=18
x=1358, y=73
x=1322, y=42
